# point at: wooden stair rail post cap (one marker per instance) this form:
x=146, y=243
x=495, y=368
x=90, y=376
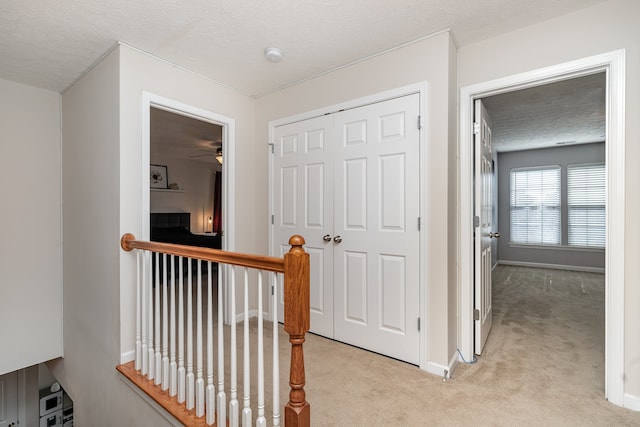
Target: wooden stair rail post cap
x=124, y=241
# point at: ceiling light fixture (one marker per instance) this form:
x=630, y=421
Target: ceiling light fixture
x=273, y=54
x=219, y=155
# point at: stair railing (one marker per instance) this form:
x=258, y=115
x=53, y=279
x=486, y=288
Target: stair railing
x=164, y=350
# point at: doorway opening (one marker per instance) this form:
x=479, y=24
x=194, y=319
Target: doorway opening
x=548, y=208
x=185, y=194
x=187, y=158
x=612, y=64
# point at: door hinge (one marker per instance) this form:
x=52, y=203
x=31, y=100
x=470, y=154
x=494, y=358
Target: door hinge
x=476, y=128
x=476, y=314
x=476, y=221
x=271, y=289
x=273, y=219
x=418, y=324
x=419, y=121
x=419, y=223
x=272, y=146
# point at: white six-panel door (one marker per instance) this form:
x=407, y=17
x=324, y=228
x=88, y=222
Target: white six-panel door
x=348, y=183
x=376, y=264
x=303, y=204
x=484, y=230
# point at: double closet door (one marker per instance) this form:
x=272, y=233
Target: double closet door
x=348, y=183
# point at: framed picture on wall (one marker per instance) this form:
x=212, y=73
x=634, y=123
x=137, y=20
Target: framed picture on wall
x=158, y=176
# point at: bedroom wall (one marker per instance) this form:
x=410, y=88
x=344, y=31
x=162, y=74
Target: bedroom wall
x=598, y=29
x=195, y=179
x=30, y=188
x=563, y=256
x=432, y=60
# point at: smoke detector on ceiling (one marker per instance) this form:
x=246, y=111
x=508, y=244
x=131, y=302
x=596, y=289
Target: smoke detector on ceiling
x=273, y=54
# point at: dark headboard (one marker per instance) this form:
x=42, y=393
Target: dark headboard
x=171, y=220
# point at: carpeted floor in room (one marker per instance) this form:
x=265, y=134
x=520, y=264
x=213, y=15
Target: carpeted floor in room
x=543, y=364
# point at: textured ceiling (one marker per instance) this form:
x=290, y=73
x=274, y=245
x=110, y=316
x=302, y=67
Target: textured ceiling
x=50, y=43
x=562, y=113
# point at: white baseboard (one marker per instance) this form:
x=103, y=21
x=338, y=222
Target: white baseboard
x=552, y=266
x=631, y=402
x=441, y=370
x=252, y=314
x=127, y=357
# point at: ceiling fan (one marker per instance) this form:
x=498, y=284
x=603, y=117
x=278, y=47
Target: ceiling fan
x=217, y=154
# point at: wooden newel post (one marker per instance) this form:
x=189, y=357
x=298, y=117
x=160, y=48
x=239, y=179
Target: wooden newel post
x=297, y=412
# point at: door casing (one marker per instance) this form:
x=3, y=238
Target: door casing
x=228, y=148
x=613, y=63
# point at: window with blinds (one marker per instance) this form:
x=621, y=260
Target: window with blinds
x=586, y=196
x=535, y=206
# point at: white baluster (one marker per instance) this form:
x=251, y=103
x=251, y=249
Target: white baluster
x=144, y=305
x=261, y=421
x=210, y=405
x=199, y=378
x=190, y=378
x=165, y=325
x=181, y=370
x=173, y=366
x=156, y=312
x=138, y=362
x=246, y=374
x=276, y=352
x=233, y=398
x=150, y=352
x=222, y=396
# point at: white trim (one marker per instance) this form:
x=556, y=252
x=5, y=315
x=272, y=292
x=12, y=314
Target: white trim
x=614, y=65
x=552, y=266
x=632, y=402
x=127, y=356
x=441, y=370
x=557, y=247
x=252, y=313
x=228, y=171
x=421, y=89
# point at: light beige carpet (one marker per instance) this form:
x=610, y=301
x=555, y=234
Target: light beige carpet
x=543, y=365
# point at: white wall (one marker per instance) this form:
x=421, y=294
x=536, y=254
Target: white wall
x=142, y=73
x=431, y=60
x=195, y=179
x=102, y=181
x=602, y=28
x=91, y=207
x=30, y=253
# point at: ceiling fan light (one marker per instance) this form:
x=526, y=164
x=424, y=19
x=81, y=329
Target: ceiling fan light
x=219, y=155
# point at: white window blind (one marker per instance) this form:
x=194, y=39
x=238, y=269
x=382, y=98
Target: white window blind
x=535, y=206
x=586, y=196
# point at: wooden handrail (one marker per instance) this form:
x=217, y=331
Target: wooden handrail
x=295, y=266
x=128, y=242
